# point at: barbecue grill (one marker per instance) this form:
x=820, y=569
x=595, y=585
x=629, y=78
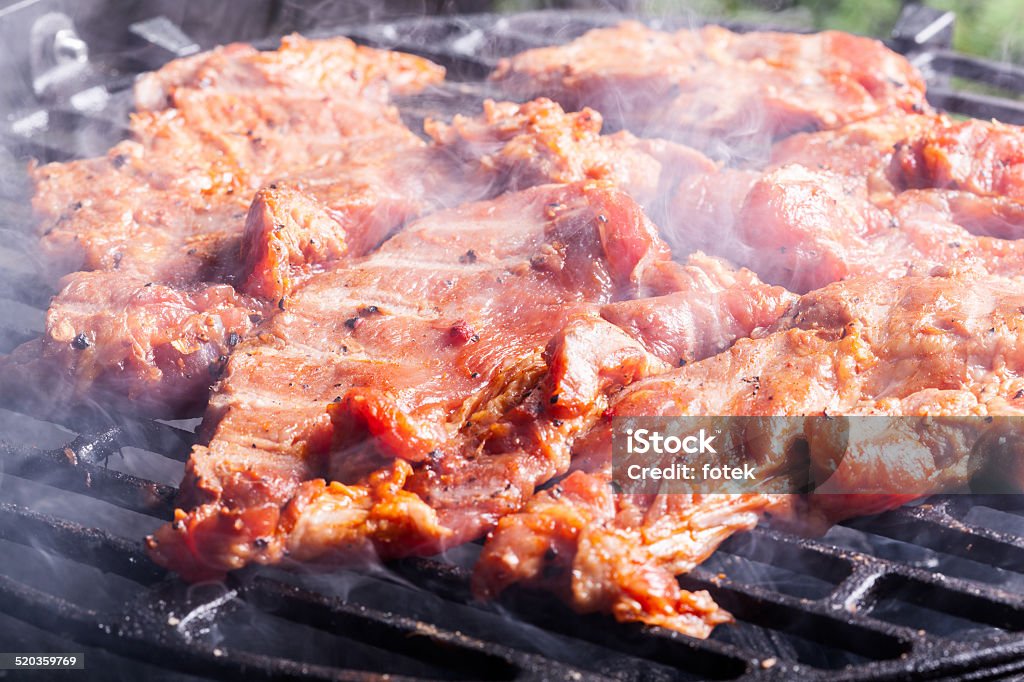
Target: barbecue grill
x=927, y=591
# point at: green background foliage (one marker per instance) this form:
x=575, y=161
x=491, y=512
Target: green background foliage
x=990, y=28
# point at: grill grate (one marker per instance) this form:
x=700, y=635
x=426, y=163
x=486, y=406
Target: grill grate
x=927, y=591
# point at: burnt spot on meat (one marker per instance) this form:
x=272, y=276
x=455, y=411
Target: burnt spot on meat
x=554, y=399
x=468, y=257
x=474, y=375
x=557, y=422
x=682, y=362
x=81, y=342
x=1019, y=394
x=353, y=322
x=233, y=339
x=369, y=310
x=261, y=543
x=280, y=304
x=119, y=160
x=255, y=319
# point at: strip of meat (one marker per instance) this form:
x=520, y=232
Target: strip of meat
x=351, y=206
x=160, y=217
x=670, y=84
x=520, y=146
x=417, y=343
x=124, y=336
x=605, y=552
x=681, y=327
x=335, y=65
x=940, y=345
x=980, y=157
x=456, y=365
x=858, y=149
x=812, y=231
x=194, y=162
x=364, y=185
x=836, y=204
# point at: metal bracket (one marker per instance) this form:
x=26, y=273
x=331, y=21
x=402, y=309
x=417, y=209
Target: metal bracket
x=165, y=34
x=920, y=27
x=59, y=58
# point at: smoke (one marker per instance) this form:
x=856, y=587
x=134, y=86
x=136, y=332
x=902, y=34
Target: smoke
x=219, y=611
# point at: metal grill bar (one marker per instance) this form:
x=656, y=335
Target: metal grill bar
x=751, y=603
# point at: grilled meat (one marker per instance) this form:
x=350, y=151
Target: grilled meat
x=338, y=192
x=433, y=383
x=195, y=160
x=335, y=66
x=409, y=338
x=985, y=158
x=120, y=339
x=350, y=206
x=942, y=345
x=518, y=146
x=601, y=551
x=680, y=327
x=670, y=84
x=881, y=197
x=156, y=224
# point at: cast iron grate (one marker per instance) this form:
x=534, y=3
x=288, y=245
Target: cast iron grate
x=926, y=591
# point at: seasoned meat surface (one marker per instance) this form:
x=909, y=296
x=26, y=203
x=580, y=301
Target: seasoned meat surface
x=887, y=196
x=155, y=226
x=408, y=386
x=523, y=145
x=350, y=182
x=405, y=342
x=942, y=345
x=352, y=205
x=330, y=66
x=601, y=551
x=671, y=84
x=193, y=163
